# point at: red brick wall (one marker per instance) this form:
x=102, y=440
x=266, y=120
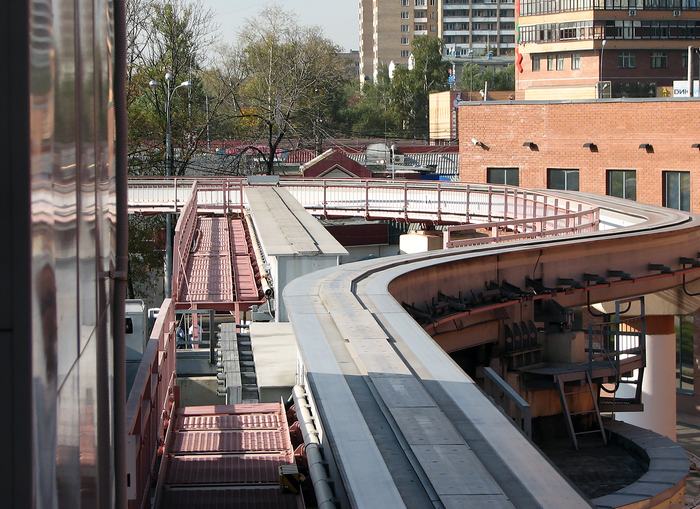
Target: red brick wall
x=560, y=129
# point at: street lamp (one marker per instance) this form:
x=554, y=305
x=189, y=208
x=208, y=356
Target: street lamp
x=602, y=52
x=471, y=73
x=168, y=172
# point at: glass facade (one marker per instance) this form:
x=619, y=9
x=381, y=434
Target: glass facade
x=684, y=353
x=64, y=257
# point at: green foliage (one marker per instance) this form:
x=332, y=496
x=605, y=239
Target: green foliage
x=166, y=36
x=292, y=81
x=398, y=106
x=146, y=253
x=368, y=113
x=473, y=78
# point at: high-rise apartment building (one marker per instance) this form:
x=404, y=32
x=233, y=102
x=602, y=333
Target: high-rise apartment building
x=387, y=28
x=483, y=26
x=604, y=48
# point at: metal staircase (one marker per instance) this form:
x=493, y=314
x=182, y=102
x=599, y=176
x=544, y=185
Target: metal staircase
x=616, y=359
x=622, y=344
x=575, y=378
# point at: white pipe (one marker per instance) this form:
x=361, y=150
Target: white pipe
x=264, y=276
x=319, y=477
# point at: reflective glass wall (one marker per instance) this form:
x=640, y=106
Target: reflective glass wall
x=60, y=183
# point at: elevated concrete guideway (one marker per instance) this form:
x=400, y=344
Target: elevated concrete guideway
x=371, y=368
x=402, y=425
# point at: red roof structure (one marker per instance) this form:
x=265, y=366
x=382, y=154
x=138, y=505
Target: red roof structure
x=334, y=164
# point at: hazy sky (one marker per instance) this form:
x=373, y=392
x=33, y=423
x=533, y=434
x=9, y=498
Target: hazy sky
x=339, y=19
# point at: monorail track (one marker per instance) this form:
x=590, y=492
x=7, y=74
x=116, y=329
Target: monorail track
x=403, y=424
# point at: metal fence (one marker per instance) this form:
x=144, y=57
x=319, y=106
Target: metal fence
x=150, y=406
x=411, y=201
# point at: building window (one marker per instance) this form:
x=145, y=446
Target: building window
x=433, y=15
x=404, y=28
x=420, y=3
x=684, y=353
x=404, y=41
x=551, y=61
x=568, y=33
x=405, y=53
x=433, y=28
x=404, y=15
x=626, y=60
x=404, y=3
x=560, y=62
x=535, y=62
x=432, y=2
x=677, y=190
x=575, y=61
x=659, y=60
x=506, y=176
x=565, y=180
x=623, y=29
x=622, y=183
x=684, y=60
x=419, y=27
x=420, y=14
x=659, y=30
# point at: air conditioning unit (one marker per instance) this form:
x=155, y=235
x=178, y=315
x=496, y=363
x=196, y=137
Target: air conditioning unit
x=677, y=12
x=633, y=12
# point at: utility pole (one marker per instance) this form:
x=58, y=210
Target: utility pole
x=168, y=173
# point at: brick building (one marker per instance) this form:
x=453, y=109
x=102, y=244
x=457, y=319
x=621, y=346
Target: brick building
x=643, y=149
x=634, y=48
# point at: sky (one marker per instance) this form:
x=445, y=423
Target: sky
x=339, y=19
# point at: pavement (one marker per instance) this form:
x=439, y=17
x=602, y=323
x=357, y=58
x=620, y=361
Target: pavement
x=688, y=436
x=598, y=470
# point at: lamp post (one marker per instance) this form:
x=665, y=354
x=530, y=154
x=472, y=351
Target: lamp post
x=471, y=74
x=168, y=172
x=602, y=52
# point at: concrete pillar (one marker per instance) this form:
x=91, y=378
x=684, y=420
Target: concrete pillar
x=659, y=385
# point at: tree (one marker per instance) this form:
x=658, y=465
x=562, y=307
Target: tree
x=502, y=78
x=166, y=36
x=162, y=36
x=290, y=78
x=410, y=87
x=368, y=113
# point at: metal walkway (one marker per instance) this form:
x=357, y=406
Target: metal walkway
x=227, y=456
x=219, y=268
x=214, y=261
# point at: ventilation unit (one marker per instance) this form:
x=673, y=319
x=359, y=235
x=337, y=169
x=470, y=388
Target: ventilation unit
x=677, y=12
x=633, y=12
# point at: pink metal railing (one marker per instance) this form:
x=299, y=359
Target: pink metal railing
x=150, y=406
x=547, y=226
x=184, y=236
x=415, y=201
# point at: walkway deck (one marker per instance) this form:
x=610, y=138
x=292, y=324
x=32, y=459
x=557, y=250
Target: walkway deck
x=228, y=456
x=219, y=269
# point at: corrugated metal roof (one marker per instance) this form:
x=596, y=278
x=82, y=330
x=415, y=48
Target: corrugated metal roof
x=219, y=269
x=228, y=456
x=229, y=441
x=251, y=498
x=226, y=469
